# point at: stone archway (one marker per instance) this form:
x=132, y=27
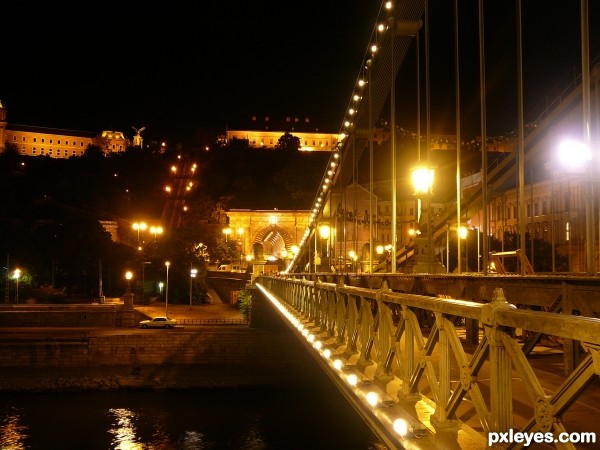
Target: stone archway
x=274, y=240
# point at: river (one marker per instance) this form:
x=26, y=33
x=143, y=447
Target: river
x=307, y=417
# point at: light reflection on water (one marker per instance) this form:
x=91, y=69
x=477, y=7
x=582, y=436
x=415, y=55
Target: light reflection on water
x=194, y=420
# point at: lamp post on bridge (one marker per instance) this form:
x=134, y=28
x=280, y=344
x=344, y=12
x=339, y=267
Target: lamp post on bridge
x=422, y=177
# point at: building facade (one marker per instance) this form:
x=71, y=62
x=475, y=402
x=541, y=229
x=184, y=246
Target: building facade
x=56, y=142
x=265, y=133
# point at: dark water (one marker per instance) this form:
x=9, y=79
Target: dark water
x=306, y=418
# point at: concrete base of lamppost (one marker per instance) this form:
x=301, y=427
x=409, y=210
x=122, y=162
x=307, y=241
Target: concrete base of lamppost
x=128, y=312
x=423, y=261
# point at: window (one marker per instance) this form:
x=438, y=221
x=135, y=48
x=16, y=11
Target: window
x=528, y=210
x=14, y=138
x=51, y=141
x=43, y=140
x=33, y=152
x=42, y=152
x=34, y=139
x=58, y=152
x=66, y=142
x=50, y=151
x=58, y=142
x=23, y=138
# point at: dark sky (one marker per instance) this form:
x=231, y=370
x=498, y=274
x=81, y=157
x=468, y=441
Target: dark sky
x=174, y=67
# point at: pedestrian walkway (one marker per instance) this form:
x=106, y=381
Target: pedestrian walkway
x=216, y=310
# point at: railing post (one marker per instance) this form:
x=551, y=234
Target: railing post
x=440, y=418
x=408, y=360
x=501, y=407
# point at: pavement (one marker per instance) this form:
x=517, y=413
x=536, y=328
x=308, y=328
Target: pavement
x=216, y=310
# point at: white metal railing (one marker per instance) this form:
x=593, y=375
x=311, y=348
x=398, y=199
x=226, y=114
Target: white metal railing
x=455, y=392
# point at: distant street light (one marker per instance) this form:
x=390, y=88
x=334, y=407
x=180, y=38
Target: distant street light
x=193, y=273
x=167, y=264
x=156, y=230
x=226, y=232
x=144, y=278
x=324, y=233
x=128, y=277
x=139, y=226
x=240, y=232
x=16, y=275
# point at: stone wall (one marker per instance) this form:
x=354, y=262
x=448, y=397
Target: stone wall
x=101, y=315
x=265, y=352
x=226, y=356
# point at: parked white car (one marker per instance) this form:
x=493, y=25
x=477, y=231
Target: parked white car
x=158, y=322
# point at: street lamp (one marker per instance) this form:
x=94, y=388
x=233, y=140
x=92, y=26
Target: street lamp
x=193, y=273
x=167, y=264
x=156, y=230
x=139, y=226
x=422, y=178
x=240, y=232
x=226, y=232
x=144, y=278
x=128, y=277
x=16, y=275
x=462, y=235
x=576, y=157
x=324, y=232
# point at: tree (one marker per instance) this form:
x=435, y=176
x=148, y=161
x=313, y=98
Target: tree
x=288, y=143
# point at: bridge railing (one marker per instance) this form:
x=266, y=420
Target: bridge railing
x=415, y=348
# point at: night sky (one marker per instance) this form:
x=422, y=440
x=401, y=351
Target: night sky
x=175, y=67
